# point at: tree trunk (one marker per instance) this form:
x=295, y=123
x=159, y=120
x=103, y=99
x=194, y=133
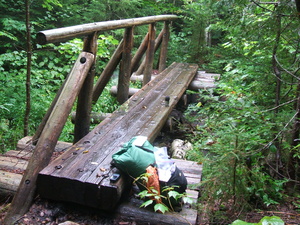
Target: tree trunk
x=277, y=73
x=28, y=74
x=294, y=162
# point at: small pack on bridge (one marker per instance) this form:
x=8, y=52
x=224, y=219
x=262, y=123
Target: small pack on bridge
x=82, y=173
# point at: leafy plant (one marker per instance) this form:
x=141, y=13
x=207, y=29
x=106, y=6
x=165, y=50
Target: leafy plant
x=273, y=220
x=164, y=201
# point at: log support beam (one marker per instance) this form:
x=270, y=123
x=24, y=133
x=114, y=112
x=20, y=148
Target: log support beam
x=48, y=138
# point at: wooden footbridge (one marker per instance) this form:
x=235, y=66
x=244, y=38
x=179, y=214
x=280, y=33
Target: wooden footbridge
x=82, y=173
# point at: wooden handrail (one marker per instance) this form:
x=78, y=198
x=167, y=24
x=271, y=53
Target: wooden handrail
x=65, y=33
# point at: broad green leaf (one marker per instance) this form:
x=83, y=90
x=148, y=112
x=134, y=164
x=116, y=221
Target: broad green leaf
x=240, y=222
x=273, y=220
x=160, y=208
x=174, y=194
x=146, y=203
x=143, y=194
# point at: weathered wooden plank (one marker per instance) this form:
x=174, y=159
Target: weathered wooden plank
x=189, y=167
x=9, y=183
x=12, y=163
x=26, y=144
x=99, y=133
x=87, y=163
x=19, y=154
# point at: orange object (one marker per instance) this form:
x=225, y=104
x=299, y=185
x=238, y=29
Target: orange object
x=153, y=183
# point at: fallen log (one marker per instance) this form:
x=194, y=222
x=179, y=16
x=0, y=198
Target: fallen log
x=131, y=211
x=9, y=183
x=14, y=162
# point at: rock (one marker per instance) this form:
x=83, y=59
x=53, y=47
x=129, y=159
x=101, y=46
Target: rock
x=179, y=148
x=68, y=223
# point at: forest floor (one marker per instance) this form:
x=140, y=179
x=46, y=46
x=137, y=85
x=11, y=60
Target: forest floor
x=286, y=210
x=54, y=213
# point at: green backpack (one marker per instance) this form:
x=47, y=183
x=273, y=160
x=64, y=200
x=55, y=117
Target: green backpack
x=135, y=156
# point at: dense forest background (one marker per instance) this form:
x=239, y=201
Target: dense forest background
x=251, y=127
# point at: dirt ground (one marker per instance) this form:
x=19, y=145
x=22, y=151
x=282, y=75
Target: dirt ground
x=55, y=213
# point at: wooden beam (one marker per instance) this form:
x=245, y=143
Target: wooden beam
x=86, y=167
x=25, y=148
x=131, y=91
x=125, y=68
x=158, y=41
x=107, y=72
x=139, y=53
x=49, y=138
x=84, y=103
x=65, y=33
x=9, y=183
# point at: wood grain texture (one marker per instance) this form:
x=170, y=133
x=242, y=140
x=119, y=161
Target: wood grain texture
x=82, y=173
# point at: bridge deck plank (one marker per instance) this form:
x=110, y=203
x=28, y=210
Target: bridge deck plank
x=81, y=174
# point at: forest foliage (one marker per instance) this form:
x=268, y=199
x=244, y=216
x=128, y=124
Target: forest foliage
x=249, y=139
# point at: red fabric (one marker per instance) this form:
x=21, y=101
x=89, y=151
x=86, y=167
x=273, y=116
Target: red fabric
x=153, y=182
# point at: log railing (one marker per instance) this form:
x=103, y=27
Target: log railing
x=80, y=83
x=123, y=55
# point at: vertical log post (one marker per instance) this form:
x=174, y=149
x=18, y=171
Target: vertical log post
x=107, y=72
x=84, y=103
x=125, y=70
x=164, y=47
x=150, y=54
x=158, y=41
x=48, y=138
